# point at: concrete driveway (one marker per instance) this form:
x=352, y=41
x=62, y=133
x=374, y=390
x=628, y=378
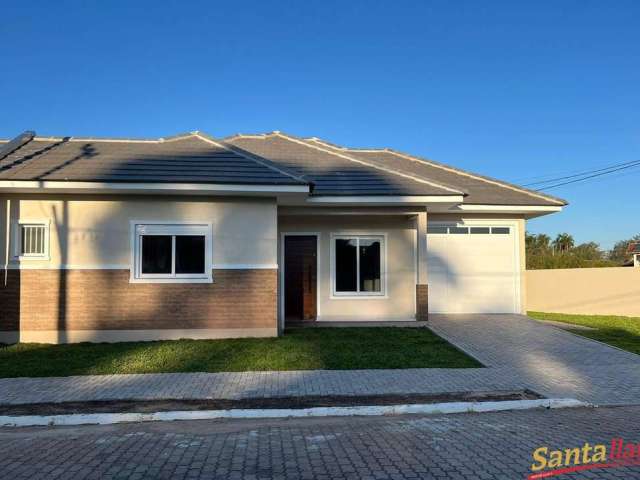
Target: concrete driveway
x=550, y=360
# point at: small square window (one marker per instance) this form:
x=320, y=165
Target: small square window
x=172, y=253
x=459, y=230
x=32, y=240
x=500, y=230
x=480, y=230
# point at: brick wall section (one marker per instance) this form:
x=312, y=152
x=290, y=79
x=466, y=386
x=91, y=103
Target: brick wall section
x=105, y=300
x=422, y=303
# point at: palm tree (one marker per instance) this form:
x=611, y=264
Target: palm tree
x=544, y=241
x=563, y=242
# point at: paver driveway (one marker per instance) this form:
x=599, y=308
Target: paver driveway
x=550, y=360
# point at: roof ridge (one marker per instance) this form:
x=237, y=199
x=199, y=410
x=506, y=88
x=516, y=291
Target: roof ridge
x=251, y=135
x=301, y=141
x=348, y=149
x=249, y=156
x=170, y=138
x=268, y=163
x=17, y=143
x=500, y=183
x=20, y=163
x=460, y=171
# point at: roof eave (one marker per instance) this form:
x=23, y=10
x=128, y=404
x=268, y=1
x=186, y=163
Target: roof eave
x=150, y=188
x=528, y=211
x=384, y=200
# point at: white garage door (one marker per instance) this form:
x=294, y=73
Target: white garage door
x=473, y=269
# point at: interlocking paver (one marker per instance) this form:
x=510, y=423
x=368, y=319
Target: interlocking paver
x=519, y=353
x=465, y=446
x=550, y=360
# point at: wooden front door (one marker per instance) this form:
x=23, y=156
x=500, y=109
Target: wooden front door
x=300, y=278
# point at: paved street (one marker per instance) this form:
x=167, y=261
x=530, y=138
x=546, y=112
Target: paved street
x=464, y=446
x=519, y=353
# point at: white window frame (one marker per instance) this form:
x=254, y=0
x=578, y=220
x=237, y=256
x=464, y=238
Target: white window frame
x=17, y=239
x=382, y=237
x=171, y=228
x=469, y=226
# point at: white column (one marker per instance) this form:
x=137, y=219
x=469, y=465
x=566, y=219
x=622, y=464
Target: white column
x=421, y=227
x=7, y=244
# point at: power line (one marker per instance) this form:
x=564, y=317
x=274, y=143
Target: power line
x=611, y=168
x=625, y=166
x=552, y=175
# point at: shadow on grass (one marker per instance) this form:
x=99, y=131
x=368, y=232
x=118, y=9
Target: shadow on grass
x=616, y=337
x=298, y=349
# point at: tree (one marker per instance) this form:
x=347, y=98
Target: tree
x=589, y=251
x=540, y=241
x=561, y=253
x=618, y=253
x=563, y=242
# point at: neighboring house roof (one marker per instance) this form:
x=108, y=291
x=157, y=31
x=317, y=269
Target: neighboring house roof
x=188, y=158
x=266, y=159
x=290, y=151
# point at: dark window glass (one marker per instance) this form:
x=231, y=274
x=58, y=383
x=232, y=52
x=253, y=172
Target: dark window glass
x=26, y=247
x=480, y=230
x=459, y=230
x=156, y=254
x=190, y=254
x=500, y=230
x=435, y=229
x=346, y=265
x=369, y=265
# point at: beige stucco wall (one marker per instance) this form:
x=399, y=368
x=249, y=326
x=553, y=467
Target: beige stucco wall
x=95, y=231
x=399, y=301
x=591, y=291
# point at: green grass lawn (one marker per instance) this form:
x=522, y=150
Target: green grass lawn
x=298, y=349
x=621, y=332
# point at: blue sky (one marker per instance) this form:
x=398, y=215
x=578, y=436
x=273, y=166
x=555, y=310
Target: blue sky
x=510, y=89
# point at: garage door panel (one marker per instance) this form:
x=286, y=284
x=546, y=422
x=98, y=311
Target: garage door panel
x=473, y=273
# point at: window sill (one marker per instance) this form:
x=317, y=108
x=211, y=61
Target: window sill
x=171, y=280
x=359, y=297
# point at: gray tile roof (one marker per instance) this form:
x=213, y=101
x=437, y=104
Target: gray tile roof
x=266, y=159
x=335, y=174
x=184, y=159
x=479, y=188
x=332, y=175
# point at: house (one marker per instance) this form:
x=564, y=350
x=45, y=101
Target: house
x=195, y=237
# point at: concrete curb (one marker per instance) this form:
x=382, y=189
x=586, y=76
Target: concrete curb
x=424, y=409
